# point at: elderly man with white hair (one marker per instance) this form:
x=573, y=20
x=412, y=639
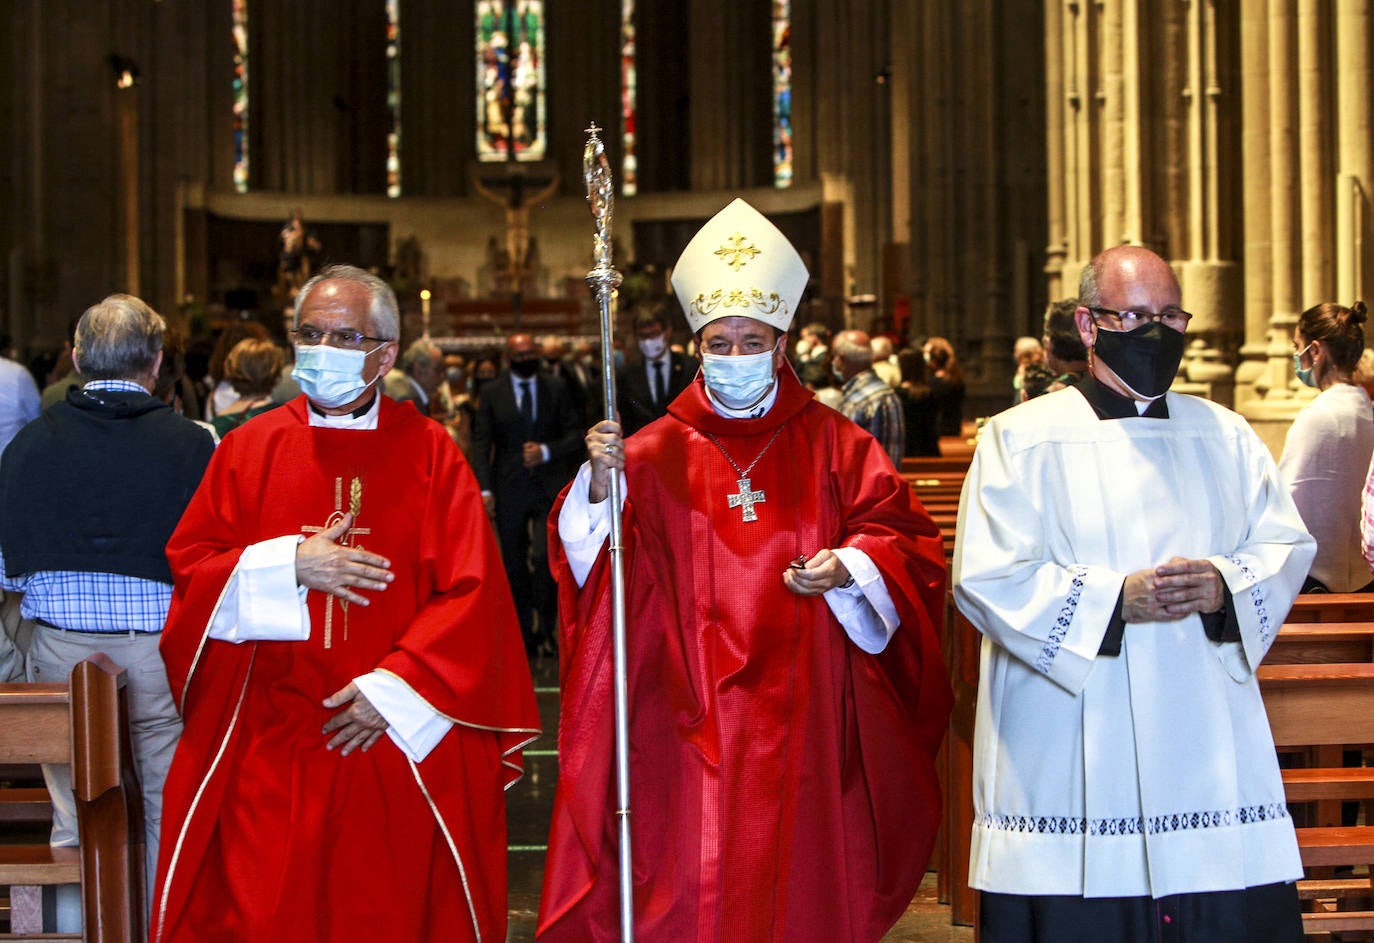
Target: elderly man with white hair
x=345, y=654
x=785, y=595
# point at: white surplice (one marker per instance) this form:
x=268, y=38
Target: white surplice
x=1152, y=772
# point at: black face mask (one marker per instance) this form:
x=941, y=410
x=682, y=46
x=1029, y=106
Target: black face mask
x=1145, y=359
x=524, y=368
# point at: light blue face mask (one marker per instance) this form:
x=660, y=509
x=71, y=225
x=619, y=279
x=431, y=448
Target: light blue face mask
x=1304, y=375
x=739, y=382
x=331, y=377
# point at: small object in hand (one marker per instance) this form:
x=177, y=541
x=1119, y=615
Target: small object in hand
x=798, y=564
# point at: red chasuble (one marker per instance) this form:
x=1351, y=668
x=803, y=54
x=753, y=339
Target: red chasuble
x=269, y=836
x=783, y=784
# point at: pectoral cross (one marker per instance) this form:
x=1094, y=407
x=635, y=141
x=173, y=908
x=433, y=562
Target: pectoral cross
x=355, y=506
x=746, y=499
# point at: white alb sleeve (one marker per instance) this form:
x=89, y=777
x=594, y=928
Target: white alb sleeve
x=261, y=601
x=415, y=726
x=583, y=526
x=865, y=610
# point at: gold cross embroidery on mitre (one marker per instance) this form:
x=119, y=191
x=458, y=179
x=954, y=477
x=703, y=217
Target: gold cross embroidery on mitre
x=736, y=254
x=355, y=507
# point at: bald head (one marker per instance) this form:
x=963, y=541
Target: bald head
x=1125, y=277
x=1135, y=363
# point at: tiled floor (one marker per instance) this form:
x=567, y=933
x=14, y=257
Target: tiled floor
x=530, y=803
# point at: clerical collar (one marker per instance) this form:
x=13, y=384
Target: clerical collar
x=364, y=417
x=1109, y=404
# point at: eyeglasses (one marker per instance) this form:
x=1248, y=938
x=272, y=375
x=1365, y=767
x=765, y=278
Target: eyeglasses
x=348, y=340
x=1175, y=318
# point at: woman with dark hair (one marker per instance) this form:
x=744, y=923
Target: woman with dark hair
x=946, y=386
x=1329, y=445
x=918, y=407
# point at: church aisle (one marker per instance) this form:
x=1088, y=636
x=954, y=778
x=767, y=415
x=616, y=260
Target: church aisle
x=529, y=807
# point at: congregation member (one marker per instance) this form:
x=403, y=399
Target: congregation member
x=865, y=398
x=785, y=594
x=813, y=345
x=346, y=658
x=1330, y=443
x=1065, y=354
x=19, y=400
x=1128, y=554
x=947, y=388
x=89, y=495
x=654, y=379
x=524, y=442
x=561, y=364
x=885, y=361
x=64, y=373
x=918, y=411
x=1027, y=352
x=418, y=378
x=252, y=368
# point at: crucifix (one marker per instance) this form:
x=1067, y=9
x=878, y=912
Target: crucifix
x=746, y=499
x=355, y=506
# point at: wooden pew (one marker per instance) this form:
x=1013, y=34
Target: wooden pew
x=1326, y=704
x=1332, y=607
x=86, y=724
x=1315, y=643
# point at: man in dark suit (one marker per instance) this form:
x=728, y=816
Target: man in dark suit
x=647, y=384
x=525, y=443
x=559, y=363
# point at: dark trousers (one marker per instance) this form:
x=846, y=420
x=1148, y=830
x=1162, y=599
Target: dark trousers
x=1269, y=913
x=522, y=527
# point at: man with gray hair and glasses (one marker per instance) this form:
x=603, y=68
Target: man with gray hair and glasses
x=346, y=657
x=1128, y=554
x=89, y=493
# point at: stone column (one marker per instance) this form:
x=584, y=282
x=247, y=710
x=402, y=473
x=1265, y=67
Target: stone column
x=1210, y=279
x=1285, y=201
x=1355, y=167
x=1314, y=153
x=1255, y=154
x=1060, y=283
x=1273, y=406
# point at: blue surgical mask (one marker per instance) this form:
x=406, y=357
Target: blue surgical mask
x=1304, y=375
x=739, y=381
x=331, y=377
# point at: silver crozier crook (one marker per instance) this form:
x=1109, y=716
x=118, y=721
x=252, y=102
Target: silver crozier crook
x=604, y=280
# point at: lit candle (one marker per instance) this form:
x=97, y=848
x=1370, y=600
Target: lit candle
x=424, y=308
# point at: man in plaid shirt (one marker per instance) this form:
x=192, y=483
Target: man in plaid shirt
x=89, y=493
x=868, y=400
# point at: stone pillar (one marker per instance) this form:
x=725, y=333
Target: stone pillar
x=1083, y=211
x=1354, y=241
x=1272, y=406
x=1209, y=278
x=1061, y=284
x=1314, y=153
x=1255, y=154
x=1284, y=196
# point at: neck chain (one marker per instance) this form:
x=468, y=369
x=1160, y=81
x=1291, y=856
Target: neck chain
x=747, y=497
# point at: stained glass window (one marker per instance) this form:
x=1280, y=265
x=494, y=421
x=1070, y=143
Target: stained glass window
x=628, y=103
x=239, y=19
x=393, y=97
x=510, y=79
x=782, y=93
